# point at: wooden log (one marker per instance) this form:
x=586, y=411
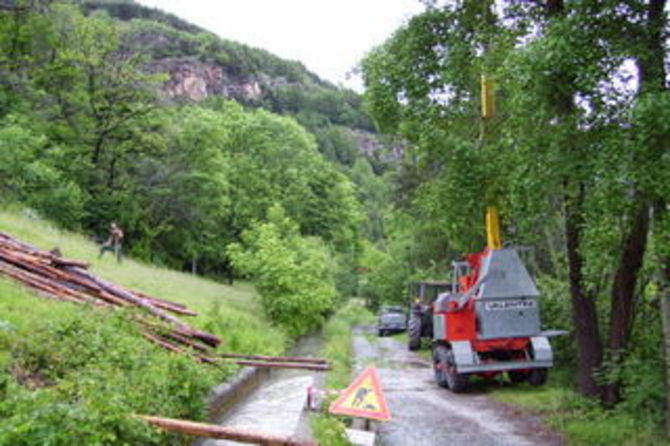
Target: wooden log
x=204, y=430
x=18, y=243
x=67, y=280
x=70, y=281
x=208, y=338
x=60, y=261
x=157, y=299
x=42, y=284
x=46, y=270
x=45, y=256
x=285, y=365
x=174, y=333
x=163, y=343
x=169, y=306
x=185, y=340
x=275, y=358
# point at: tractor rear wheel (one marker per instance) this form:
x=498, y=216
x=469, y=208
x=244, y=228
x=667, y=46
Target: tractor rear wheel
x=537, y=377
x=439, y=365
x=414, y=332
x=457, y=382
x=517, y=377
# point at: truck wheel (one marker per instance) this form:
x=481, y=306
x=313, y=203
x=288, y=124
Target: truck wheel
x=439, y=364
x=381, y=333
x=457, y=382
x=414, y=333
x=537, y=377
x=517, y=377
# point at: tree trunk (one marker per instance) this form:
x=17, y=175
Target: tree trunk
x=584, y=314
x=584, y=306
x=623, y=296
x=664, y=293
x=663, y=284
x=228, y=433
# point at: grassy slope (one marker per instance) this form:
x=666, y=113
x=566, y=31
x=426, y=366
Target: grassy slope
x=238, y=310
x=71, y=373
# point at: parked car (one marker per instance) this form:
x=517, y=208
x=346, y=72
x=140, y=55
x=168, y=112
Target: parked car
x=392, y=319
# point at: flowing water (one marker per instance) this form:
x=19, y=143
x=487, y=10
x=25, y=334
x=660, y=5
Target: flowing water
x=276, y=406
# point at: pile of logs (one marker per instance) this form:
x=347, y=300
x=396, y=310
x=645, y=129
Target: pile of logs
x=69, y=280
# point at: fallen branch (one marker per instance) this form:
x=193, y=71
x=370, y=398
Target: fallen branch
x=275, y=358
x=285, y=365
x=227, y=433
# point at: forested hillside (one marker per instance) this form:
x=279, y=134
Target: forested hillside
x=110, y=111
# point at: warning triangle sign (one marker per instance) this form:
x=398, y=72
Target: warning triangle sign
x=363, y=398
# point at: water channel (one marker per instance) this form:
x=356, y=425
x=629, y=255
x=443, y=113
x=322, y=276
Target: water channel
x=276, y=405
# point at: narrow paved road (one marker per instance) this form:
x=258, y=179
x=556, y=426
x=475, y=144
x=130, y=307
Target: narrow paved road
x=425, y=414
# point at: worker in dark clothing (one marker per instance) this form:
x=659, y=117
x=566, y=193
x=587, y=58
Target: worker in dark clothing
x=114, y=242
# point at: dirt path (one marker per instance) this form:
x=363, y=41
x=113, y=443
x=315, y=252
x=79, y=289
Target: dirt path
x=425, y=414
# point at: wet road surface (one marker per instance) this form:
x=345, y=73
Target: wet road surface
x=425, y=414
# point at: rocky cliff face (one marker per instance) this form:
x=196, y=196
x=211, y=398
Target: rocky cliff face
x=193, y=80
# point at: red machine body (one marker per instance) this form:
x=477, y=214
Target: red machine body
x=489, y=323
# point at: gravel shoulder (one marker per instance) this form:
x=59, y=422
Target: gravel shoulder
x=425, y=414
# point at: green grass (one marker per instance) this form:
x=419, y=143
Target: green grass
x=233, y=312
x=76, y=374
x=329, y=429
x=582, y=421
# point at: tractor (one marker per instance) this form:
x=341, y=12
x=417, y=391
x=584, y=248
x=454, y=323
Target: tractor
x=489, y=323
x=421, y=298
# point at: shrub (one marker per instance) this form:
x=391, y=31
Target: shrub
x=292, y=273
x=81, y=379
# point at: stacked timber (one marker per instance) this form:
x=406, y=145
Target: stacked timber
x=69, y=280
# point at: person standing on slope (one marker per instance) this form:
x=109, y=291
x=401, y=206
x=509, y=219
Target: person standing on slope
x=114, y=242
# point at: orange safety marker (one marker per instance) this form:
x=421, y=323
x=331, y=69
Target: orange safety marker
x=363, y=398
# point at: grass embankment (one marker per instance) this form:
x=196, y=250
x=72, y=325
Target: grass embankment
x=74, y=374
x=338, y=333
x=581, y=420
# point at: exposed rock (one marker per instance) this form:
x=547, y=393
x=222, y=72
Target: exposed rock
x=194, y=80
x=370, y=145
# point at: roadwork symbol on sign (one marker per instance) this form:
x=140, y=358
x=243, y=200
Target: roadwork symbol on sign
x=363, y=398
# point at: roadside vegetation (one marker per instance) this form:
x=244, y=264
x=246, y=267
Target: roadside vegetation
x=582, y=420
x=338, y=333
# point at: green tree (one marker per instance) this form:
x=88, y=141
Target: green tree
x=27, y=174
x=292, y=272
x=566, y=141
x=183, y=199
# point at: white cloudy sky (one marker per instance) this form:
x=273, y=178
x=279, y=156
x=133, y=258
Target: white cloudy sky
x=328, y=36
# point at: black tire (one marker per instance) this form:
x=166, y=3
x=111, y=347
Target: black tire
x=538, y=377
x=439, y=363
x=457, y=382
x=381, y=333
x=414, y=333
x=517, y=377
